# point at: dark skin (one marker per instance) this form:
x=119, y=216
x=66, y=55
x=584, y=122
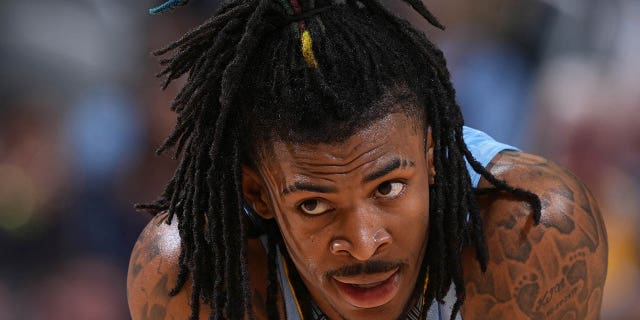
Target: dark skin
x=348, y=204
x=554, y=270
x=153, y=271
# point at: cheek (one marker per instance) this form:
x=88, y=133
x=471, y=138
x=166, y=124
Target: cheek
x=413, y=213
x=305, y=248
x=307, y=255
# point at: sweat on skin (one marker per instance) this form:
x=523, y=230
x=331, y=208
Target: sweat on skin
x=348, y=206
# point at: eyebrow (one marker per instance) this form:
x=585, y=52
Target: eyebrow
x=302, y=186
x=392, y=165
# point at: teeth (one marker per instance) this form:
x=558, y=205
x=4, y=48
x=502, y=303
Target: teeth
x=366, y=286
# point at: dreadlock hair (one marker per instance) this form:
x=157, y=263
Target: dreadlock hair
x=304, y=71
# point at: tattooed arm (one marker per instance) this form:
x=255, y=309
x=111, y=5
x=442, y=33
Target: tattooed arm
x=153, y=269
x=554, y=270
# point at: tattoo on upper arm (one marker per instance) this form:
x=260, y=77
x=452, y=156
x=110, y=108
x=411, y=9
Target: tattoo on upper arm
x=156, y=295
x=553, y=271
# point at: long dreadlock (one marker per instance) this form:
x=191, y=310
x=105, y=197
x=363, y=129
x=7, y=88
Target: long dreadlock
x=304, y=71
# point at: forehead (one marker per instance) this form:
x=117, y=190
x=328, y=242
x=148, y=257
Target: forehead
x=396, y=133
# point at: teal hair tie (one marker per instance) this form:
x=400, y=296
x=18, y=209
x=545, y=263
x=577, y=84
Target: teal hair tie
x=167, y=5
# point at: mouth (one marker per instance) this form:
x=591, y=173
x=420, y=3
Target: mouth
x=369, y=291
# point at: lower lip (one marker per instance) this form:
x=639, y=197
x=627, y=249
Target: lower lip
x=370, y=297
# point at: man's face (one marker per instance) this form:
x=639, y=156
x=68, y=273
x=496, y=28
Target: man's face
x=353, y=215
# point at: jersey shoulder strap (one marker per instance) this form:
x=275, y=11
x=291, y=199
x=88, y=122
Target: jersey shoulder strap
x=483, y=148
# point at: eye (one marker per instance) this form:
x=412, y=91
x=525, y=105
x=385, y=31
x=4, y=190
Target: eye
x=390, y=189
x=314, y=206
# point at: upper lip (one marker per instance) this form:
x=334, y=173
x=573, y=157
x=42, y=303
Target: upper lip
x=366, y=278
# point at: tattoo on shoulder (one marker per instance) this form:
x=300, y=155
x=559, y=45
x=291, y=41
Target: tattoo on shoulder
x=552, y=271
x=148, y=276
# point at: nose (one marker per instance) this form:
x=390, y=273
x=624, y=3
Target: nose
x=362, y=236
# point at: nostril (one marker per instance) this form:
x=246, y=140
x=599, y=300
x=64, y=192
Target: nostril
x=338, y=246
x=381, y=237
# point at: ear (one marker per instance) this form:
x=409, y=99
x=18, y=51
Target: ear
x=430, y=144
x=255, y=194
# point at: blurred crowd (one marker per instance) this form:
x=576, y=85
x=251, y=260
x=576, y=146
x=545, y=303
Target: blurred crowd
x=81, y=114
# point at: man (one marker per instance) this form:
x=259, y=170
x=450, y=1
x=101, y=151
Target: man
x=323, y=176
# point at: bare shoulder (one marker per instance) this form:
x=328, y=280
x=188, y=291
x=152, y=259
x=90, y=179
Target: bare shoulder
x=153, y=270
x=554, y=270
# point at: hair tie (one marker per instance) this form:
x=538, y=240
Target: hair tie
x=168, y=5
x=306, y=43
x=307, y=14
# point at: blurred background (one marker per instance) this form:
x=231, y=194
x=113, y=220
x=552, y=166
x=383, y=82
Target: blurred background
x=81, y=114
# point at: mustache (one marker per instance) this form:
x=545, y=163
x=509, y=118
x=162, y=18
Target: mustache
x=369, y=267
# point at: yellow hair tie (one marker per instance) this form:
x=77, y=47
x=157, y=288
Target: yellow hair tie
x=307, y=50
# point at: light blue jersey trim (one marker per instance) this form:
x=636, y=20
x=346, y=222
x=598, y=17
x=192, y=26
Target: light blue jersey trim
x=483, y=148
